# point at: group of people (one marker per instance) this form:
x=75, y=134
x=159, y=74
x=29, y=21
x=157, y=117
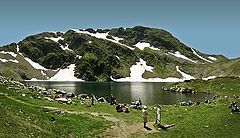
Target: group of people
x=137, y=104
x=234, y=107
x=122, y=108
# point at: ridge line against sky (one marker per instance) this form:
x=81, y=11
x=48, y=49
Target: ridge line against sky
x=209, y=26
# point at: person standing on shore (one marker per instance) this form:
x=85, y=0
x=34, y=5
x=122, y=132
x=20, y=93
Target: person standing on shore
x=144, y=114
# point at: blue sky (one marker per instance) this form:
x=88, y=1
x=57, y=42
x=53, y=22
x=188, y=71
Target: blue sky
x=209, y=26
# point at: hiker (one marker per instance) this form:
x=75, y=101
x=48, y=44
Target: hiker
x=144, y=114
x=92, y=98
x=232, y=104
x=234, y=107
x=136, y=105
x=126, y=110
x=119, y=108
x=140, y=102
x=113, y=100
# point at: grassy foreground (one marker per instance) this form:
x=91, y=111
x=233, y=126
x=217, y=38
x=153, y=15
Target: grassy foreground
x=20, y=119
x=26, y=116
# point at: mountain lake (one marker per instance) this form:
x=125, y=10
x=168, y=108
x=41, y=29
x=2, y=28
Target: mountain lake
x=125, y=92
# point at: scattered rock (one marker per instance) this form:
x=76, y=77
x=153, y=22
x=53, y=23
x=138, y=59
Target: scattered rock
x=63, y=100
x=52, y=118
x=70, y=95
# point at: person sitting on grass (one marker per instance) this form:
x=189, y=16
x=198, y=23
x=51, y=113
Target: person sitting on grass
x=113, y=100
x=235, y=109
x=232, y=104
x=119, y=108
x=126, y=110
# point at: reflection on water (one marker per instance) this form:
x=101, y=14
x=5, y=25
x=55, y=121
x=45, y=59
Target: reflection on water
x=149, y=93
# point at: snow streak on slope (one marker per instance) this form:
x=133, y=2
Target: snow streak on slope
x=194, y=52
x=212, y=58
x=17, y=48
x=179, y=55
x=34, y=64
x=55, y=39
x=117, y=38
x=102, y=36
x=10, y=53
x=209, y=78
x=142, y=45
x=65, y=74
x=140, y=67
x=8, y=60
x=66, y=47
x=185, y=76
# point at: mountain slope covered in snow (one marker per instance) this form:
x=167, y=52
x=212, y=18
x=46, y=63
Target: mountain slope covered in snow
x=118, y=54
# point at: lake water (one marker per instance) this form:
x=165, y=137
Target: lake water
x=125, y=92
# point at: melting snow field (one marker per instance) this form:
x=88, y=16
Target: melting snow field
x=8, y=60
x=142, y=45
x=10, y=53
x=185, y=76
x=34, y=64
x=179, y=55
x=65, y=74
x=54, y=38
x=209, y=78
x=212, y=58
x=103, y=36
x=194, y=52
x=140, y=67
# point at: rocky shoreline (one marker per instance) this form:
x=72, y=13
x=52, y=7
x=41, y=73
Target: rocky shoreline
x=179, y=89
x=48, y=94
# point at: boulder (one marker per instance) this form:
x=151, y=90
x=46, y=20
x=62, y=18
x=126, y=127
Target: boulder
x=62, y=100
x=70, y=95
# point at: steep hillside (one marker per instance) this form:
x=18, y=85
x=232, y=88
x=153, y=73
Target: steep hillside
x=131, y=54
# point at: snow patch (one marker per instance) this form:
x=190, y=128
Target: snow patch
x=118, y=57
x=212, y=58
x=34, y=79
x=194, y=52
x=79, y=57
x=10, y=53
x=142, y=45
x=102, y=36
x=117, y=38
x=140, y=67
x=17, y=48
x=65, y=74
x=8, y=60
x=66, y=47
x=179, y=55
x=34, y=64
x=209, y=78
x=185, y=76
x=54, y=38
x=44, y=74
x=57, y=39
x=137, y=72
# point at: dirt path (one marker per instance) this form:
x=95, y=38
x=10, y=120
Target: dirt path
x=120, y=129
x=124, y=130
